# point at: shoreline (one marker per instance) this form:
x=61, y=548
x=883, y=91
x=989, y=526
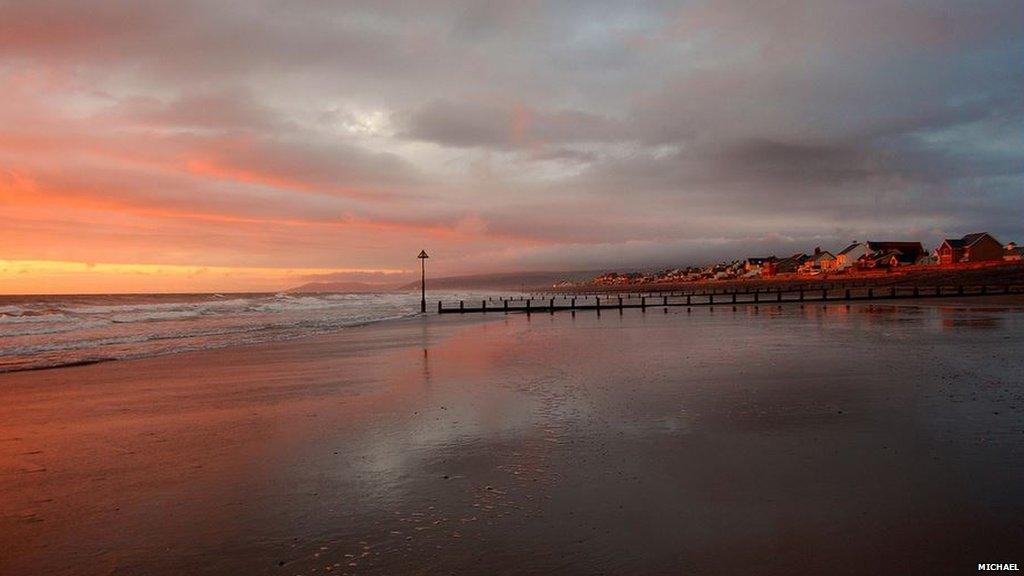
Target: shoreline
x=979, y=302
x=715, y=442
x=412, y=317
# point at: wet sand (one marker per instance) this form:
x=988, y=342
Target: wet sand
x=816, y=440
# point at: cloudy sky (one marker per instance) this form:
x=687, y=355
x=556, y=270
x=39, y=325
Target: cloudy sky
x=187, y=144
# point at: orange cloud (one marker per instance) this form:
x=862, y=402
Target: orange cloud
x=215, y=168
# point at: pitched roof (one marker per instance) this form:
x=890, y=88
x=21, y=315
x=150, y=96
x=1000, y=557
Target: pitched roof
x=880, y=255
x=887, y=255
x=974, y=237
x=850, y=248
x=791, y=263
x=967, y=240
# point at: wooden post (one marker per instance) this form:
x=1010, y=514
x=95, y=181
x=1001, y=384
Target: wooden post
x=824, y=293
x=598, y=300
x=438, y=306
x=528, y=305
x=572, y=304
x=552, y=305
x=483, y=306
x=462, y=306
x=687, y=299
x=801, y=294
x=711, y=297
x=620, y=302
x=778, y=296
x=733, y=296
x=504, y=304
x=664, y=300
x=643, y=302
x=755, y=296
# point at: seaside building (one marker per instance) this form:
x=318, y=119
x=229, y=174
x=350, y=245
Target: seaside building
x=869, y=254
x=756, y=266
x=1013, y=252
x=756, y=263
x=890, y=254
x=820, y=261
x=851, y=254
x=975, y=247
x=788, y=265
x=885, y=259
x=909, y=251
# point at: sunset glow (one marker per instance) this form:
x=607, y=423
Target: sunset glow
x=511, y=287
x=48, y=276
x=501, y=136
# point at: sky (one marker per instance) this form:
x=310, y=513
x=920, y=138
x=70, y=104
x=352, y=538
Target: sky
x=198, y=145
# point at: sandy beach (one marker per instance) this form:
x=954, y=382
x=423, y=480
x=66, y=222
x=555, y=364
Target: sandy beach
x=795, y=440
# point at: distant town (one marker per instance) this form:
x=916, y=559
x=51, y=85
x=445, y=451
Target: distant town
x=869, y=257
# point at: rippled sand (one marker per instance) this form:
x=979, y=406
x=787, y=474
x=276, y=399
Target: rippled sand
x=884, y=439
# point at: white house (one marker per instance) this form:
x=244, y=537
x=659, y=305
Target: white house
x=849, y=256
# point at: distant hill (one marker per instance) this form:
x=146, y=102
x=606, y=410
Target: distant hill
x=503, y=281
x=342, y=287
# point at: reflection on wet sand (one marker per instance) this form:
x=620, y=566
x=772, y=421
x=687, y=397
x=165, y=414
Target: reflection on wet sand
x=728, y=440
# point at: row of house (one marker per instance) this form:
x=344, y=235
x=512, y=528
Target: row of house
x=975, y=247
x=868, y=255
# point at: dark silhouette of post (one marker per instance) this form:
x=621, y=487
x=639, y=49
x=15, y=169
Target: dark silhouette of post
x=423, y=280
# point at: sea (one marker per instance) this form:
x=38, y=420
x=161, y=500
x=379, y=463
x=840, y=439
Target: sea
x=39, y=332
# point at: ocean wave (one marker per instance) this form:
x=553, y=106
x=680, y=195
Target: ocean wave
x=48, y=328
x=155, y=316
x=298, y=303
x=28, y=317
x=221, y=305
x=89, y=329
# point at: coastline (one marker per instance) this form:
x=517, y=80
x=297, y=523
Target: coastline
x=995, y=274
x=49, y=332
x=531, y=444
x=974, y=301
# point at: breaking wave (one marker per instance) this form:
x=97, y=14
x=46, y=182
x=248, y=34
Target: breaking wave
x=50, y=331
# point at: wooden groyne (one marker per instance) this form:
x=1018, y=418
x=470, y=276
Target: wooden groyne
x=712, y=297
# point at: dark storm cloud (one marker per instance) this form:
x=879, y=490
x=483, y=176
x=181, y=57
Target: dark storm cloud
x=782, y=163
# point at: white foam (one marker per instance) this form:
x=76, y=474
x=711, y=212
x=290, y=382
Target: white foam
x=32, y=319
x=54, y=332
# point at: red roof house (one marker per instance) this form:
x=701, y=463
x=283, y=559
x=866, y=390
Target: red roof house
x=976, y=247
